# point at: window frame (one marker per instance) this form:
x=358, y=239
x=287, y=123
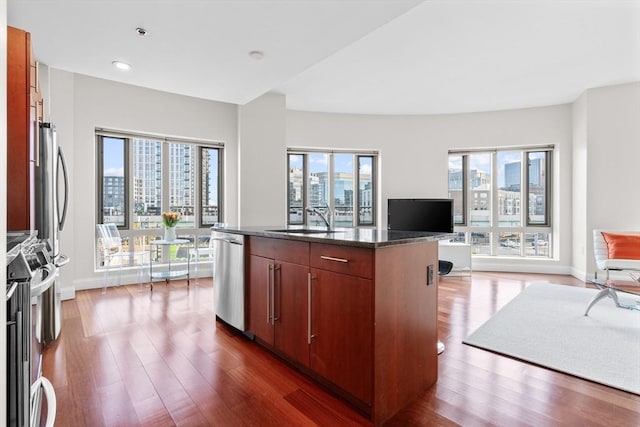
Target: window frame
x=494, y=229
x=355, y=203
x=100, y=178
x=130, y=230
x=220, y=184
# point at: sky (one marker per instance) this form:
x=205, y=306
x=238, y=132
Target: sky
x=113, y=157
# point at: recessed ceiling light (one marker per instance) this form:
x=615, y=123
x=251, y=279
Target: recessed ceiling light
x=256, y=54
x=121, y=65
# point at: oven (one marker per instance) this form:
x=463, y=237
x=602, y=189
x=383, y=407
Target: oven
x=30, y=272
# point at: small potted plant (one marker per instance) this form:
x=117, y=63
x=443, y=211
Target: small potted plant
x=170, y=220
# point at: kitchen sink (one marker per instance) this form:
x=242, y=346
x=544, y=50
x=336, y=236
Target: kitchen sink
x=304, y=231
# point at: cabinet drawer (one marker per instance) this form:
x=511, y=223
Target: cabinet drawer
x=292, y=251
x=343, y=259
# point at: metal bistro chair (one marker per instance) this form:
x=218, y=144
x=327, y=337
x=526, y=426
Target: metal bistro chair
x=114, y=254
x=202, y=253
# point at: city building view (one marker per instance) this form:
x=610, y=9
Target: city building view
x=148, y=184
x=343, y=203
x=508, y=202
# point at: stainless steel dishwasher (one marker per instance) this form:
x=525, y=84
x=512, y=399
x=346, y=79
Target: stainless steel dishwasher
x=228, y=277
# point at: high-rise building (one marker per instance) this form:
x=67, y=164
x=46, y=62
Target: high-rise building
x=113, y=195
x=512, y=175
x=147, y=173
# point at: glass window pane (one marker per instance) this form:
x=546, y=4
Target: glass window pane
x=210, y=182
x=343, y=190
x=318, y=186
x=296, y=188
x=481, y=243
x=456, y=188
x=480, y=186
x=509, y=244
x=310, y=185
x=182, y=185
x=509, y=188
x=113, y=181
x=537, y=245
x=537, y=188
x=147, y=183
x=365, y=190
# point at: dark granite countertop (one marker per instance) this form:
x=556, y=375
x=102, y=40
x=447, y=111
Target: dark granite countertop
x=360, y=237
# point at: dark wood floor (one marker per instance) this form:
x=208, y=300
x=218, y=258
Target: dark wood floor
x=134, y=357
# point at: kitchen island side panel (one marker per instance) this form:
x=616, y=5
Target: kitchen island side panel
x=405, y=337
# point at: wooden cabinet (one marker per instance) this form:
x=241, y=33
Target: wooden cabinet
x=360, y=320
x=259, y=296
x=342, y=317
x=291, y=310
x=342, y=331
x=24, y=111
x=278, y=295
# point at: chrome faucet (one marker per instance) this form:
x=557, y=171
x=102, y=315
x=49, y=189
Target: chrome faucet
x=326, y=218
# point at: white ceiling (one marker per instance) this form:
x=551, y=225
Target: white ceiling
x=351, y=56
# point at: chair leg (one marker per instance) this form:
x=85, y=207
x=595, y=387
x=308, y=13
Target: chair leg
x=603, y=293
x=106, y=276
x=141, y=271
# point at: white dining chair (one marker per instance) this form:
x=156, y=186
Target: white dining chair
x=114, y=255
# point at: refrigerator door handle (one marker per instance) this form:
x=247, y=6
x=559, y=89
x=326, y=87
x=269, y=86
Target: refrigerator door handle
x=62, y=260
x=66, y=190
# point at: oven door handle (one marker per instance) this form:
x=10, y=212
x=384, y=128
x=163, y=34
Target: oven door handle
x=50, y=394
x=51, y=270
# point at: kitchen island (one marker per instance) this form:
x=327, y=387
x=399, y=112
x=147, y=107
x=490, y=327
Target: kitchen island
x=355, y=309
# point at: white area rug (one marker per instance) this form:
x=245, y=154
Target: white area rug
x=545, y=325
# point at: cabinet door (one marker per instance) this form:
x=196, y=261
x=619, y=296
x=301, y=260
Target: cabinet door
x=342, y=328
x=260, y=301
x=291, y=312
x=21, y=130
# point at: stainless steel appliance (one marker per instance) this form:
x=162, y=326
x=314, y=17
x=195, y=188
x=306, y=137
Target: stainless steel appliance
x=228, y=278
x=30, y=273
x=52, y=186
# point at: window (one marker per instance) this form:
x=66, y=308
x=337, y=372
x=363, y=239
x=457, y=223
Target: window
x=342, y=181
x=500, y=207
x=139, y=177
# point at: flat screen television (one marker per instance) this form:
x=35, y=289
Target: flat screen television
x=434, y=215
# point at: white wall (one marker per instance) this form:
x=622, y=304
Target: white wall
x=79, y=104
x=613, y=161
x=580, y=186
x=262, y=161
x=414, y=157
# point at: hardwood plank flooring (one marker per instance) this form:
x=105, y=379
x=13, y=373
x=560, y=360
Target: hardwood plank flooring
x=134, y=357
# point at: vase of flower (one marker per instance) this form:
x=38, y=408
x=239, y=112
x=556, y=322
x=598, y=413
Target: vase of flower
x=170, y=220
x=169, y=234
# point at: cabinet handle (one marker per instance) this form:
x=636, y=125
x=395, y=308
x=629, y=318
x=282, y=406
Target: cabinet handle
x=309, y=336
x=275, y=291
x=330, y=258
x=269, y=277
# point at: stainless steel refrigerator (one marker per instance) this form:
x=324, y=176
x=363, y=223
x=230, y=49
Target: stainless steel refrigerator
x=52, y=200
